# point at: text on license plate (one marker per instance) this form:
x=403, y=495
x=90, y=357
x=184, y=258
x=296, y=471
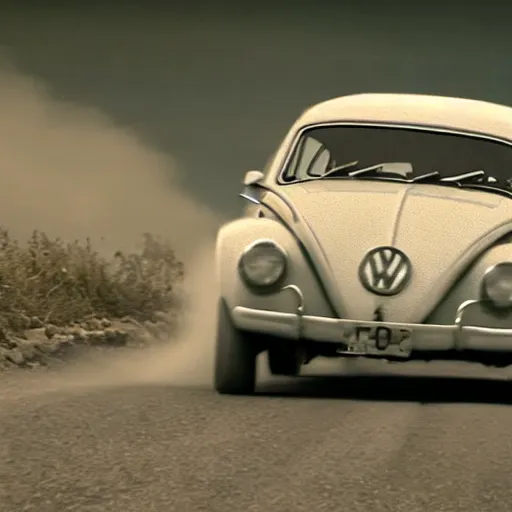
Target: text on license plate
x=378, y=340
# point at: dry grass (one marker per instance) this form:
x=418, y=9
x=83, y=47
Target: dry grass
x=46, y=280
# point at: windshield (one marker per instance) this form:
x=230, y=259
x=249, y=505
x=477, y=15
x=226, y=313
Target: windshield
x=322, y=149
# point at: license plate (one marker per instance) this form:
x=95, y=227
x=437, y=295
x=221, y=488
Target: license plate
x=380, y=340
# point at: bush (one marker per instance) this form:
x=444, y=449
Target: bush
x=62, y=283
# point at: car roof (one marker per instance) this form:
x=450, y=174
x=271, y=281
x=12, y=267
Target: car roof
x=459, y=114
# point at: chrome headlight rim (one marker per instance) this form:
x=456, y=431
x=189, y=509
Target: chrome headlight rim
x=487, y=296
x=263, y=288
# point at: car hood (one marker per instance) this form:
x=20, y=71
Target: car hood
x=440, y=229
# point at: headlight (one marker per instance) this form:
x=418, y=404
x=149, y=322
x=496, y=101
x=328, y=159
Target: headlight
x=262, y=264
x=497, y=285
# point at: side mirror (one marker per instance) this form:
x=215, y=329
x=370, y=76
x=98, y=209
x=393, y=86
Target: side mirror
x=250, y=192
x=253, y=189
x=253, y=177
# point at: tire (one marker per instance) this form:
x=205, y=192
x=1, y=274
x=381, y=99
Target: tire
x=284, y=361
x=235, y=357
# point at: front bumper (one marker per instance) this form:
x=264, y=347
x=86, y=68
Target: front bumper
x=347, y=333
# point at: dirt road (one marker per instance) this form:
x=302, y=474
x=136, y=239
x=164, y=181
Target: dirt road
x=339, y=443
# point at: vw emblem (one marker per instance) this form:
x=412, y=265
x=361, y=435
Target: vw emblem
x=385, y=271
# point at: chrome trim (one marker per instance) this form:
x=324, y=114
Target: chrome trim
x=458, y=321
x=264, y=241
x=299, y=294
x=300, y=307
x=369, y=260
x=425, y=338
x=462, y=307
x=250, y=199
x=416, y=127
x=282, y=197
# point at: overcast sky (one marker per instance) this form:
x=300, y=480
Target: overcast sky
x=218, y=89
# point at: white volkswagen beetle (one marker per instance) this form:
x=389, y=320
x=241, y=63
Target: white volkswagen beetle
x=382, y=228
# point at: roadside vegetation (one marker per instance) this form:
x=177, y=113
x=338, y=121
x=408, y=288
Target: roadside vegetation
x=61, y=283
x=49, y=285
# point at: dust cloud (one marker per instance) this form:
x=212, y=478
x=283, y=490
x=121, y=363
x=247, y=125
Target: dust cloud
x=68, y=170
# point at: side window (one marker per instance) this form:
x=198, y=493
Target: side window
x=312, y=158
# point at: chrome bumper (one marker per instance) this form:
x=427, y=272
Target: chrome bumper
x=421, y=337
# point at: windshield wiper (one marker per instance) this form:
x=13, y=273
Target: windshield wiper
x=344, y=170
x=430, y=176
x=384, y=169
x=468, y=176
x=478, y=177
x=339, y=168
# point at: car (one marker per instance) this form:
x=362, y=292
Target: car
x=380, y=228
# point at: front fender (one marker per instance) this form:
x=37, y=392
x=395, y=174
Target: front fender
x=234, y=237
x=468, y=288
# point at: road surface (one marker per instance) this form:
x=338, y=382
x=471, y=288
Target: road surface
x=369, y=444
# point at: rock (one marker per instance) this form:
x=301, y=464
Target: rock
x=28, y=349
x=42, y=343
x=116, y=337
x=105, y=323
x=131, y=321
x=5, y=337
x=5, y=363
x=93, y=324
x=36, y=323
x=3, y=354
x=96, y=337
x=79, y=333
x=50, y=331
x=63, y=339
x=38, y=333
x=15, y=356
x=49, y=347
x=25, y=322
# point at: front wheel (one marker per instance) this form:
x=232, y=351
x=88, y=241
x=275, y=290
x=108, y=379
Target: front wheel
x=235, y=357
